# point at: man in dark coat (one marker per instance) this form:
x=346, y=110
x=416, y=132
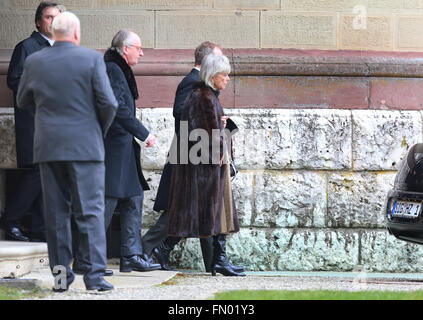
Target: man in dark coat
x=155, y=239
x=125, y=182
x=75, y=107
x=27, y=197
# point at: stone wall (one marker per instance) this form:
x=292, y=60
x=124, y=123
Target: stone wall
x=321, y=136
x=322, y=132
x=323, y=24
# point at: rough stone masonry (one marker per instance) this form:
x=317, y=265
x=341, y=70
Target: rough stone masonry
x=322, y=134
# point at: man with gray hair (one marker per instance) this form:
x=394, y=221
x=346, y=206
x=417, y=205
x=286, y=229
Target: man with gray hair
x=75, y=106
x=125, y=182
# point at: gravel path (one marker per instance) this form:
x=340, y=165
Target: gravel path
x=199, y=286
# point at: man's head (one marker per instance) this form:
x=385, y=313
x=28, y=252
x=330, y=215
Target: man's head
x=204, y=50
x=44, y=15
x=67, y=27
x=128, y=44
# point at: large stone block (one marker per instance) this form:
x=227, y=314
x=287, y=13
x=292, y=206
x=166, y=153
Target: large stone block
x=280, y=30
x=341, y=5
x=98, y=30
x=292, y=139
x=409, y=35
x=247, y=4
x=15, y=27
x=161, y=123
x=372, y=33
x=155, y=4
x=7, y=139
x=243, y=190
x=396, y=93
x=289, y=199
x=357, y=200
x=188, y=29
x=384, y=253
x=281, y=249
x=301, y=92
x=413, y=4
x=69, y=4
x=382, y=138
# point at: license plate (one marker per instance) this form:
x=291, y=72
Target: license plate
x=406, y=209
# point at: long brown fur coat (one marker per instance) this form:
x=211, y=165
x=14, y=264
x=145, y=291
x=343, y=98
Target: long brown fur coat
x=197, y=191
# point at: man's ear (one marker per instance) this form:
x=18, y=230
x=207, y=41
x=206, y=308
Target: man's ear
x=77, y=35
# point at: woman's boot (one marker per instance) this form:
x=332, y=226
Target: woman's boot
x=221, y=263
x=162, y=253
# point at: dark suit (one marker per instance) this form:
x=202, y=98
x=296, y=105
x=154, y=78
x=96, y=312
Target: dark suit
x=75, y=106
x=125, y=182
x=27, y=196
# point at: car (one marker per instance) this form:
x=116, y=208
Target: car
x=404, y=203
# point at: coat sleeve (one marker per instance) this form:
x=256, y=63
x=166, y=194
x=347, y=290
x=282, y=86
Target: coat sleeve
x=125, y=116
x=16, y=66
x=25, y=95
x=105, y=101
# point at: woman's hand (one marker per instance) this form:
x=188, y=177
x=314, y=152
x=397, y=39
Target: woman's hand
x=224, y=119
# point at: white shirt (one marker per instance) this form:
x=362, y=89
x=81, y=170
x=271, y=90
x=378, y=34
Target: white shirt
x=48, y=39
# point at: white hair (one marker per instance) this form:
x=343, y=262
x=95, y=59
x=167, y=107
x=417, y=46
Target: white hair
x=124, y=38
x=212, y=65
x=65, y=23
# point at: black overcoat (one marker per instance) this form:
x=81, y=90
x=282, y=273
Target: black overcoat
x=124, y=177
x=24, y=118
x=184, y=89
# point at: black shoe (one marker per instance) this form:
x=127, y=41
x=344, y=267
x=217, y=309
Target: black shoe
x=13, y=232
x=136, y=263
x=102, y=285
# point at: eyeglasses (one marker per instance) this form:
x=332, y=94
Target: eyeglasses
x=139, y=48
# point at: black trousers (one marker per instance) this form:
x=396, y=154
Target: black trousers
x=130, y=210
x=26, y=197
x=157, y=234
x=75, y=188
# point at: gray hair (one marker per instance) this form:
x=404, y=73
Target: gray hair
x=213, y=65
x=65, y=23
x=123, y=38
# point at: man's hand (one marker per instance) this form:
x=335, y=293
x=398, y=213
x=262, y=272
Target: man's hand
x=151, y=141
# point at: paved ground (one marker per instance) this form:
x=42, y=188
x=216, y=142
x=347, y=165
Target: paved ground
x=191, y=285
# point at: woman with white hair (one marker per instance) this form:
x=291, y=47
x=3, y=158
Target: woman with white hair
x=201, y=203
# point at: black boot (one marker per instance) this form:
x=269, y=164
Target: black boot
x=221, y=263
x=163, y=251
x=207, y=251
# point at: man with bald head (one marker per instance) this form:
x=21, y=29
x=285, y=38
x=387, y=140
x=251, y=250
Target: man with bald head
x=125, y=182
x=74, y=108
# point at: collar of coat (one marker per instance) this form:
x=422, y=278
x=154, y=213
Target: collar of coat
x=202, y=85
x=114, y=56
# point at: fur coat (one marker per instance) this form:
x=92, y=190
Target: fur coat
x=201, y=202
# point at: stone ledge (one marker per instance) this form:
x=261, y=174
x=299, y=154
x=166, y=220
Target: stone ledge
x=19, y=258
